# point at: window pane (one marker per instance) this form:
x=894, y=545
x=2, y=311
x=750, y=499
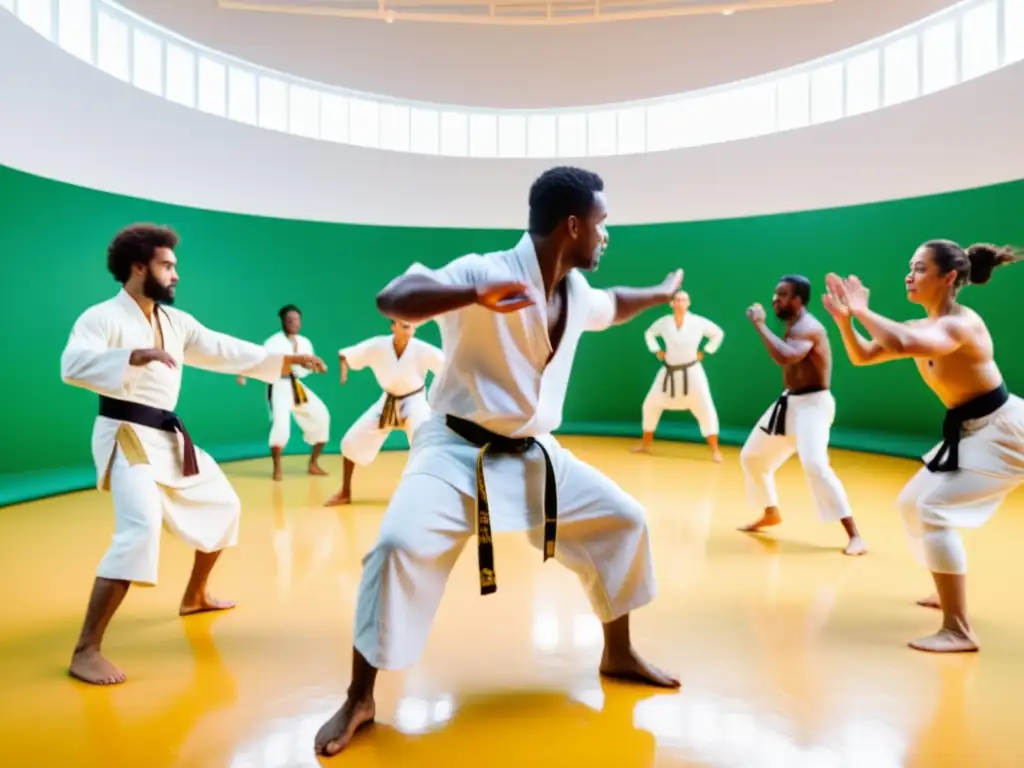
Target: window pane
x=979, y=35
x=212, y=86
x=425, y=131
x=112, y=46
x=364, y=122
x=242, y=95
x=483, y=135
x=512, y=136
x=572, y=134
x=862, y=83
x=38, y=14
x=794, y=102
x=394, y=127
x=1013, y=29
x=74, y=32
x=334, y=118
x=601, y=133
x=632, y=132
x=541, y=136
x=743, y=113
x=273, y=104
x=939, y=56
x=454, y=134
x=827, y=93
x=181, y=76
x=663, y=125
x=147, y=62
x=304, y=111
x=900, y=71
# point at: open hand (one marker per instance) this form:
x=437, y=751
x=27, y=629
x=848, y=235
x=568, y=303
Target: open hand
x=147, y=356
x=834, y=300
x=755, y=312
x=855, y=294
x=672, y=282
x=309, y=362
x=503, y=297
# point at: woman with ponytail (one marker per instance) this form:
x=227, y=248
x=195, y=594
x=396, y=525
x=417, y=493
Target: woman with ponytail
x=981, y=457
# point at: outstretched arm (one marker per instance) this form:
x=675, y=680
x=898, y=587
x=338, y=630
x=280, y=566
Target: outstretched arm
x=630, y=302
x=220, y=353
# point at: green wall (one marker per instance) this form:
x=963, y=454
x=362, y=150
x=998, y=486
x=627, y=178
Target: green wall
x=237, y=270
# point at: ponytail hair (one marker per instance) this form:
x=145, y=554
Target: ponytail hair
x=974, y=265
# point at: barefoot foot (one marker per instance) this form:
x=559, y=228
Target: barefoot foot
x=932, y=601
x=337, y=733
x=89, y=666
x=716, y=457
x=856, y=547
x=946, y=641
x=278, y=475
x=640, y=449
x=316, y=469
x=338, y=499
x=635, y=669
x=202, y=604
x=767, y=520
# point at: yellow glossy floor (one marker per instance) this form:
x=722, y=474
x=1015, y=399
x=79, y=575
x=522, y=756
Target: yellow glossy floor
x=791, y=654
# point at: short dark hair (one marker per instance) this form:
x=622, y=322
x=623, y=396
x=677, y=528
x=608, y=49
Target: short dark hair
x=973, y=265
x=286, y=309
x=560, y=193
x=801, y=287
x=137, y=244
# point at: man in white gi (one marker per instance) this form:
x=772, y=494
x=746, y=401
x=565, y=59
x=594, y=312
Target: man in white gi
x=129, y=350
x=800, y=421
x=289, y=396
x=981, y=457
x=681, y=384
x=486, y=460
x=400, y=364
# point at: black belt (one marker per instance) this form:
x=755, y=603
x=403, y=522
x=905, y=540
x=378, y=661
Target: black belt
x=670, y=377
x=155, y=418
x=947, y=459
x=488, y=441
x=389, y=414
x=298, y=391
x=777, y=420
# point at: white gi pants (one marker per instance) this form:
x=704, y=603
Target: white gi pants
x=312, y=416
x=934, y=504
x=204, y=515
x=695, y=398
x=364, y=439
x=602, y=537
x=808, y=424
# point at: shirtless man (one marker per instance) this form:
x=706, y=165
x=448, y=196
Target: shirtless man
x=801, y=419
x=981, y=458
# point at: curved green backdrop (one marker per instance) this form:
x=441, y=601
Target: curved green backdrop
x=236, y=271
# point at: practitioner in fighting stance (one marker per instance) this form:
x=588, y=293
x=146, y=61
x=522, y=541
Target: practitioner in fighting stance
x=981, y=456
x=681, y=384
x=486, y=459
x=289, y=396
x=800, y=421
x=400, y=364
x=130, y=351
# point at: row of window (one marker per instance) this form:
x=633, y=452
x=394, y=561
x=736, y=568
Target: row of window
x=970, y=39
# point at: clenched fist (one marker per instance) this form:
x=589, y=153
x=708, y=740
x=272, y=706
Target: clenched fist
x=755, y=312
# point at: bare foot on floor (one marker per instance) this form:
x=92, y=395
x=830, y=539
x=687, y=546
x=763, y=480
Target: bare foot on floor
x=338, y=732
x=339, y=499
x=716, y=457
x=316, y=469
x=89, y=666
x=932, y=601
x=635, y=669
x=640, y=449
x=203, y=604
x=946, y=641
x=856, y=547
x=767, y=520
x=278, y=475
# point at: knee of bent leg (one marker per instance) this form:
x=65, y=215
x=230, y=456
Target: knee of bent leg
x=750, y=459
x=815, y=465
x=630, y=513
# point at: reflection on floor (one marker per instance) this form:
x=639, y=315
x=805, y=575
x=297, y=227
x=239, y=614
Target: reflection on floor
x=791, y=654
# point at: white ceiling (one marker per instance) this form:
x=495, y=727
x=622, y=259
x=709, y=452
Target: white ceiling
x=534, y=66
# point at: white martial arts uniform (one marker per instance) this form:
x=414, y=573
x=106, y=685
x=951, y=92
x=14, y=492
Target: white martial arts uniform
x=498, y=376
x=397, y=376
x=685, y=389
x=805, y=431
x=935, y=503
x=287, y=398
x=142, y=466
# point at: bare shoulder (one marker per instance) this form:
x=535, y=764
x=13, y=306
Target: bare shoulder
x=808, y=327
